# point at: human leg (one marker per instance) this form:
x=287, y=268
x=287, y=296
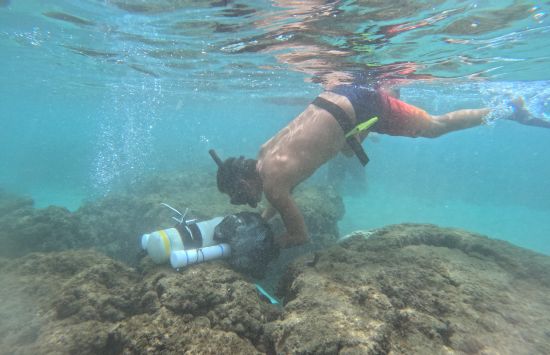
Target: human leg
x=522, y=115
x=454, y=121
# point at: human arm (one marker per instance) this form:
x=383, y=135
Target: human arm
x=282, y=201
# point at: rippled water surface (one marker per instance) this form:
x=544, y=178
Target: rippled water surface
x=251, y=44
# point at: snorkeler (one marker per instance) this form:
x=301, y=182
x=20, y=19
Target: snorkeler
x=321, y=131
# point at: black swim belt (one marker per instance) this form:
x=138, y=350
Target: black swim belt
x=346, y=124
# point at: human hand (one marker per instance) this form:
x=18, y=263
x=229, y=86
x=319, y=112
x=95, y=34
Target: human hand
x=287, y=241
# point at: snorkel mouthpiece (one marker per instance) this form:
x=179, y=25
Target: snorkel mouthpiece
x=216, y=158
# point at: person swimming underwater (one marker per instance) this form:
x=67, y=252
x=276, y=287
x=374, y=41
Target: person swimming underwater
x=320, y=132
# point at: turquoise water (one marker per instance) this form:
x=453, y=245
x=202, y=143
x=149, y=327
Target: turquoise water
x=95, y=93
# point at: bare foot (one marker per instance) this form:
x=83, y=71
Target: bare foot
x=520, y=113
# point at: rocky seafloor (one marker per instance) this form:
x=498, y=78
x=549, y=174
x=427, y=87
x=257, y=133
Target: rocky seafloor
x=403, y=289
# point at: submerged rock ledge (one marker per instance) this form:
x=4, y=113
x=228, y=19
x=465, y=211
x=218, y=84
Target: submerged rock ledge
x=403, y=289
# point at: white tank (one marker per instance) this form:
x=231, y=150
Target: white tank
x=160, y=244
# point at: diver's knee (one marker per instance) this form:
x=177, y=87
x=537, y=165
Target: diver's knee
x=434, y=130
x=431, y=133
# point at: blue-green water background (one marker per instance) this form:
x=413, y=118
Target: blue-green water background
x=121, y=89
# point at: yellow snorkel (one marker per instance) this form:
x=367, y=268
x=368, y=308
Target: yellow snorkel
x=345, y=123
x=362, y=127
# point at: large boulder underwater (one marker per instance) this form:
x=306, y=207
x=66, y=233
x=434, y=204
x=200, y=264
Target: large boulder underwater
x=75, y=282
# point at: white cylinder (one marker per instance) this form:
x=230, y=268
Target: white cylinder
x=144, y=240
x=181, y=258
x=207, y=230
x=161, y=243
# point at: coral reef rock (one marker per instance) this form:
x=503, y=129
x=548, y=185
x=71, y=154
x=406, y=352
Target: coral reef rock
x=84, y=302
x=403, y=289
x=416, y=289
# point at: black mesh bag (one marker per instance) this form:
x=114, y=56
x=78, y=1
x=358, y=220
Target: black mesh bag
x=251, y=240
